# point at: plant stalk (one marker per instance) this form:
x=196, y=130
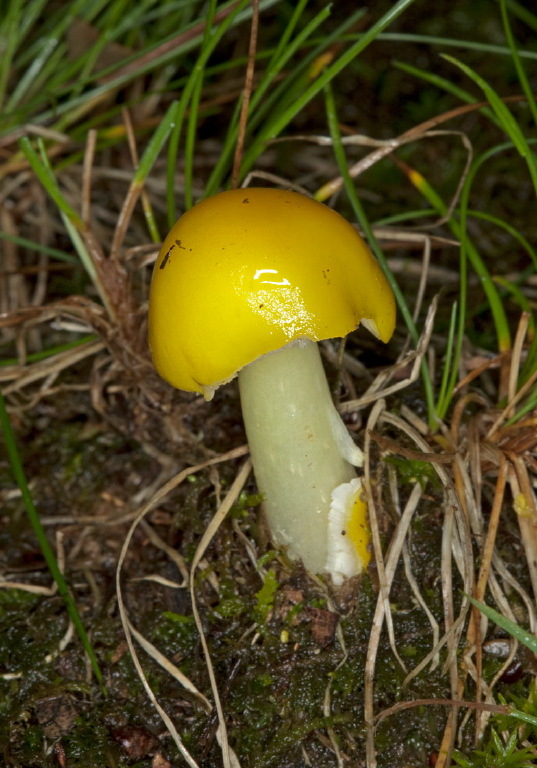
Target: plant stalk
x=299, y=447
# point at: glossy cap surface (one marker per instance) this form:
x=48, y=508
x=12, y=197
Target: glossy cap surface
x=249, y=270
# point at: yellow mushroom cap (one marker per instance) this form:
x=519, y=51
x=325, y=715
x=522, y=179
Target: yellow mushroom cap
x=247, y=271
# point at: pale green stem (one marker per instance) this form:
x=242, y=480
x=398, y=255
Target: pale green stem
x=298, y=444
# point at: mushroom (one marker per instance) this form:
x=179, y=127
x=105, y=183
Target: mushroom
x=246, y=283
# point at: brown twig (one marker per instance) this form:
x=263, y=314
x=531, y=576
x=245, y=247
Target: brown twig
x=248, y=83
x=500, y=709
x=474, y=628
x=391, y=445
x=89, y=156
x=412, y=134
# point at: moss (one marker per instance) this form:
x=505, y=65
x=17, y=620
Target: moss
x=90, y=746
x=175, y=635
x=31, y=744
x=413, y=470
x=29, y=629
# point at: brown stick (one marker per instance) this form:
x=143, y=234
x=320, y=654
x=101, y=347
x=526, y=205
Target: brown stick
x=248, y=83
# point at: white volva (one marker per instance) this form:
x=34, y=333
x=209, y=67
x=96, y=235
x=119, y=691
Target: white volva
x=343, y=559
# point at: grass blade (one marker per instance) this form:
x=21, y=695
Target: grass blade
x=445, y=85
x=502, y=112
x=524, y=637
x=206, y=51
x=46, y=177
x=282, y=120
x=467, y=251
x=444, y=396
x=193, y=116
x=359, y=212
x=518, y=64
x=262, y=104
x=46, y=549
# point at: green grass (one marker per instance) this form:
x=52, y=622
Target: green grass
x=498, y=752
x=46, y=549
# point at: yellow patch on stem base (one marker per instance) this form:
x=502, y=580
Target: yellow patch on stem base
x=358, y=530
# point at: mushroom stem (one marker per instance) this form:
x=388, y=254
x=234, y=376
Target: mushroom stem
x=299, y=446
